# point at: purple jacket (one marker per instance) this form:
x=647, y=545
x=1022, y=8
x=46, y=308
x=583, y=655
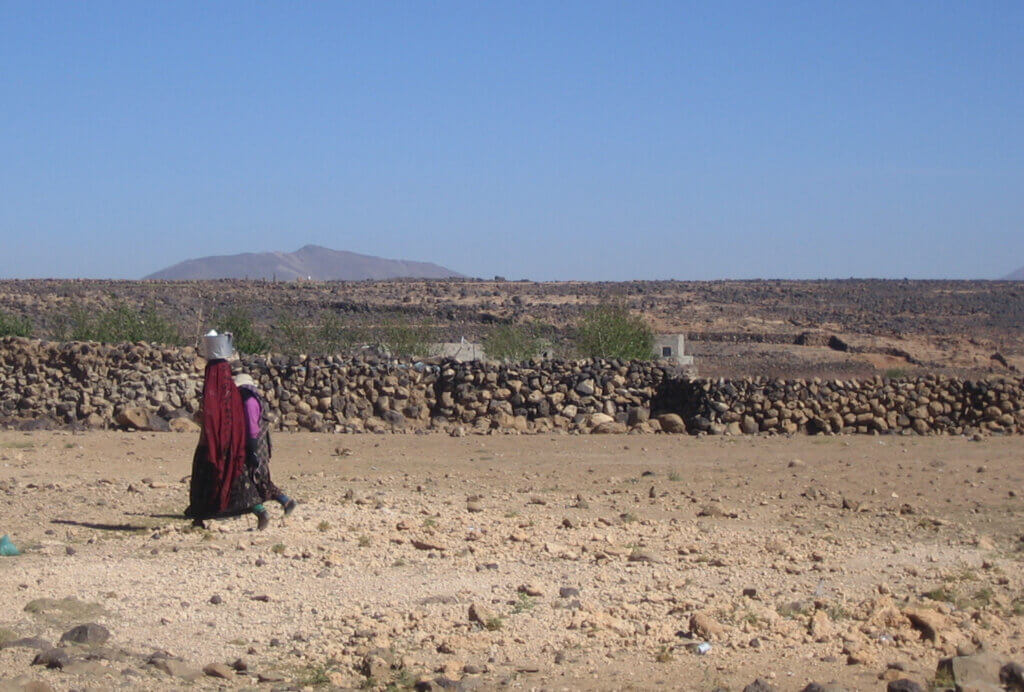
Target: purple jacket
x=252, y=416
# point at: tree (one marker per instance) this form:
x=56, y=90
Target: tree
x=612, y=331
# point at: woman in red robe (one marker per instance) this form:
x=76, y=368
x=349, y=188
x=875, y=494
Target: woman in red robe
x=220, y=485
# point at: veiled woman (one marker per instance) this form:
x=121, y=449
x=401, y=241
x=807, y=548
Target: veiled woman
x=226, y=479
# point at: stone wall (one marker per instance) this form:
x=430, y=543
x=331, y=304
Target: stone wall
x=149, y=387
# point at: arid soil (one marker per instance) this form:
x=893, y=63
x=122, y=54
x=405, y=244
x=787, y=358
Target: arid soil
x=541, y=562
x=735, y=328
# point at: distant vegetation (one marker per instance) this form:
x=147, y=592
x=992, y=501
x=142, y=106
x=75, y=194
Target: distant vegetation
x=612, y=331
x=517, y=342
x=13, y=325
x=329, y=335
x=248, y=339
x=121, y=323
x=402, y=339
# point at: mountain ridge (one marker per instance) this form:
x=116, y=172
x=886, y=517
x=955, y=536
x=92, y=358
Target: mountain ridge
x=308, y=262
x=1017, y=275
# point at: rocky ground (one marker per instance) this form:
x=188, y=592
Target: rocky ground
x=541, y=562
x=735, y=328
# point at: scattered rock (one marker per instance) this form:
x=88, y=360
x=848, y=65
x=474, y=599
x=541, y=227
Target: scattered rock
x=27, y=643
x=51, y=658
x=177, y=669
x=929, y=622
x=703, y=626
x=219, y=670
x=672, y=423
x=89, y=633
x=976, y=672
x=480, y=615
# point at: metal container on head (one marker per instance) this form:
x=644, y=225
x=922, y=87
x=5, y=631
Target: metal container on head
x=218, y=346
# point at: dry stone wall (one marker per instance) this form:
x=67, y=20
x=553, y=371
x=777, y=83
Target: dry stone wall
x=143, y=386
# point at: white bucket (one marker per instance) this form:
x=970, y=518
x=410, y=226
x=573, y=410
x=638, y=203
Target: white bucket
x=218, y=346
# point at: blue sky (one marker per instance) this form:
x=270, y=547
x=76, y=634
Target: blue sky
x=542, y=140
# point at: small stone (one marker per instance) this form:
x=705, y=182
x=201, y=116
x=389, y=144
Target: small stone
x=270, y=676
x=703, y=626
x=531, y=590
x=215, y=599
x=929, y=622
x=480, y=614
x=177, y=669
x=426, y=545
x=644, y=555
x=760, y=685
x=903, y=685
x=1012, y=675
x=89, y=633
x=51, y=658
x=27, y=643
x=568, y=592
x=219, y=670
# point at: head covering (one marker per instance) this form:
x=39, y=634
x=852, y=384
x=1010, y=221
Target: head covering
x=243, y=380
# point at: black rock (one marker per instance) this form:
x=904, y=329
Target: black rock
x=215, y=599
x=759, y=685
x=52, y=658
x=903, y=685
x=1012, y=676
x=89, y=633
x=568, y=592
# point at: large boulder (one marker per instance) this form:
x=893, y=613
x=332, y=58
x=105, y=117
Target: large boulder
x=672, y=423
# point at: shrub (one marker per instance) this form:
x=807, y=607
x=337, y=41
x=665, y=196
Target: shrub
x=326, y=336
x=120, y=324
x=611, y=331
x=12, y=325
x=238, y=321
x=333, y=336
x=513, y=342
x=402, y=339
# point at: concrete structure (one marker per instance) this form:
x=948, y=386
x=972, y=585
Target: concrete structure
x=672, y=347
x=462, y=351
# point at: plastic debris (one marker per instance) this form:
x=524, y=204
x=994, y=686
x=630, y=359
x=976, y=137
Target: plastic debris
x=6, y=547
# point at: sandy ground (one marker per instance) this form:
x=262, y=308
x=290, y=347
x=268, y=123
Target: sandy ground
x=397, y=538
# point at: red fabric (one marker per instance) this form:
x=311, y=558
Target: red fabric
x=224, y=430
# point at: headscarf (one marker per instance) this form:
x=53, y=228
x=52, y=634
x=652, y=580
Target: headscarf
x=224, y=430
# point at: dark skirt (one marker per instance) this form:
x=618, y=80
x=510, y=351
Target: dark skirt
x=252, y=487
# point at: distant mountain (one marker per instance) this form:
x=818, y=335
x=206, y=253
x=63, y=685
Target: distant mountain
x=311, y=261
x=1015, y=276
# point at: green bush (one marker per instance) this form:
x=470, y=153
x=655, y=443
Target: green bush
x=238, y=321
x=332, y=336
x=12, y=325
x=612, y=331
x=402, y=339
x=327, y=336
x=514, y=342
x=120, y=324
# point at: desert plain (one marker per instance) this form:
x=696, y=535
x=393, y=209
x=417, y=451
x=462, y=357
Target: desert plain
x=555, y=562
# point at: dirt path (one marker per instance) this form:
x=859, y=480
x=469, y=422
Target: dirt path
x=651, y=540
